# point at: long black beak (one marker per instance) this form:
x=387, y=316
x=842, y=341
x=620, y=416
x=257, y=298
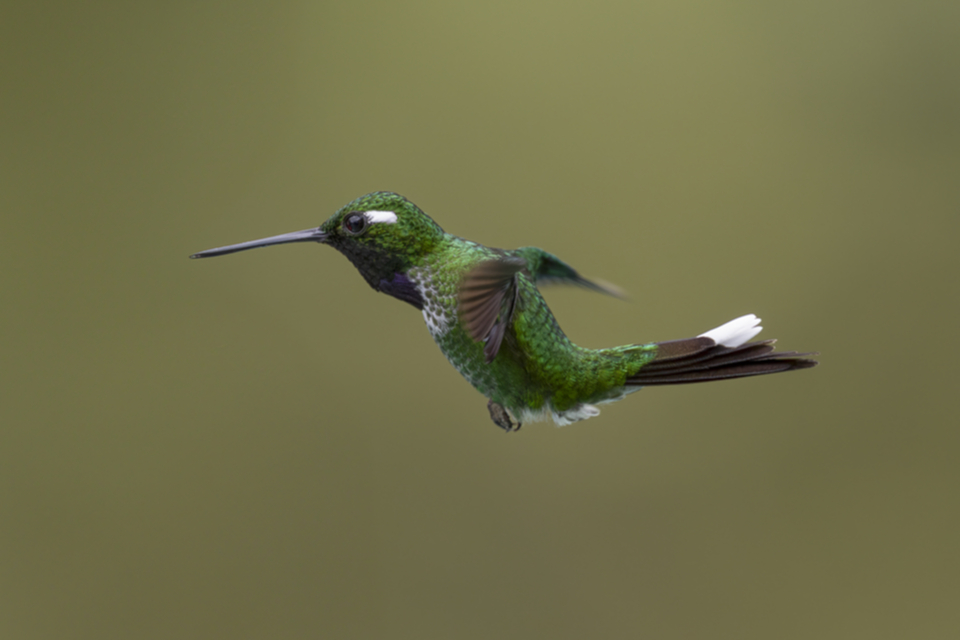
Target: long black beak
x=307, y=235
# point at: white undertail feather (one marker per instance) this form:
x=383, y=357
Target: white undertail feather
x=576, y=414
x=562, y=418
x=381, y=217
x=735, y=332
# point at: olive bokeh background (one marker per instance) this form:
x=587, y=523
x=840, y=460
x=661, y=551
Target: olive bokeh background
x=259, y=446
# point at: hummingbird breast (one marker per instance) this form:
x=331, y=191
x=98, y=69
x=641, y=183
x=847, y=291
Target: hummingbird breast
x=437, y=280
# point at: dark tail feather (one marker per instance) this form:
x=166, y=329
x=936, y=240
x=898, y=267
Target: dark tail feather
x=701, y=359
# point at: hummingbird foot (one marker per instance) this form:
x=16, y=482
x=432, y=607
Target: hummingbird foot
x=501, y=417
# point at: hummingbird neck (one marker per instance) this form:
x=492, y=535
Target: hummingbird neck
x=373, y=263
x=402, y=288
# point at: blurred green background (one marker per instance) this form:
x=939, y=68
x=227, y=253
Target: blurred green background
x=259, y=446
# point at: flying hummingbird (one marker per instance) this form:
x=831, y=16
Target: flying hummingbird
x=484, y=309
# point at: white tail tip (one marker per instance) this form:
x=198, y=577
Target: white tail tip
x=735, y=332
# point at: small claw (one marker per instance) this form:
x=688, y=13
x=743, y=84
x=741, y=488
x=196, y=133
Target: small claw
x=501, y=417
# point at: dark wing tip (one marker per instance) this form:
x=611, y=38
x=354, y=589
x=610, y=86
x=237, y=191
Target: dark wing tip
x=602, y=286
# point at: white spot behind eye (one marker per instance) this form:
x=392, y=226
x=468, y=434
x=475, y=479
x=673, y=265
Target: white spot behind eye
x=383, y=217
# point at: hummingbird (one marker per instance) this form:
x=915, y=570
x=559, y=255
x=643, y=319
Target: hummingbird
x=484, y=310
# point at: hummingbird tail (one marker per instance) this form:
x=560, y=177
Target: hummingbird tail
x=718, y=354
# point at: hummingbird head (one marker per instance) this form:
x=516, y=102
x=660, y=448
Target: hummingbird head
x=382, y=233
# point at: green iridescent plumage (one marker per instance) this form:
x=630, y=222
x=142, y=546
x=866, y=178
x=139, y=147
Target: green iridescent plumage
x=483, y=308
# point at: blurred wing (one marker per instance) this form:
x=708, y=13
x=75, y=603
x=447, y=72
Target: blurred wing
x=549, y=269
x=487, y=299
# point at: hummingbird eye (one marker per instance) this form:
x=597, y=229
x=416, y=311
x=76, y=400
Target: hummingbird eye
x=355, y=223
